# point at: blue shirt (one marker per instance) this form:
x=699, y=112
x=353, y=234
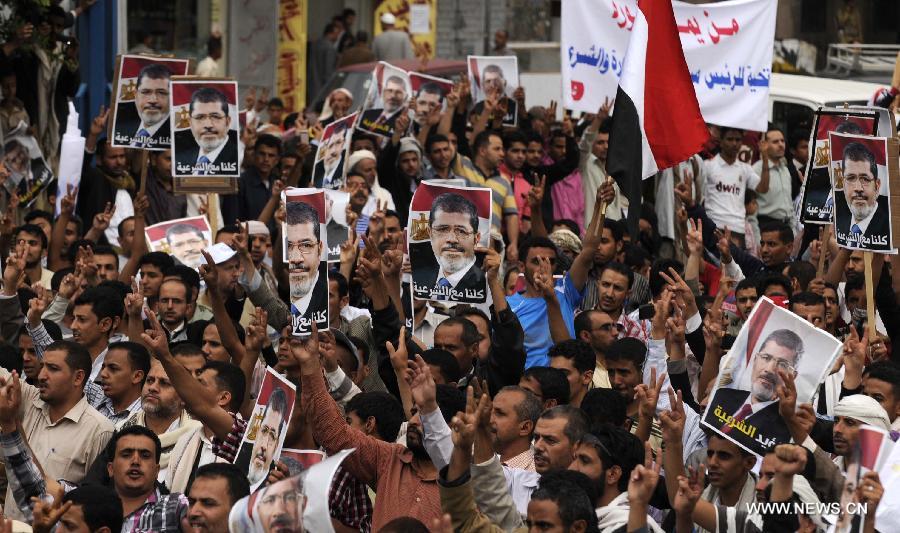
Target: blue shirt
x=532, y=314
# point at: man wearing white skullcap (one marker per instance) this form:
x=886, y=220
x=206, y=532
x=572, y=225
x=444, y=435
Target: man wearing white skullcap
x=365, y=163
x=391, y=43
x=259, y=243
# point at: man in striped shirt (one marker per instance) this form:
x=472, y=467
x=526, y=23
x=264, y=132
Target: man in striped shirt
x=484, y=172
x=447, y=164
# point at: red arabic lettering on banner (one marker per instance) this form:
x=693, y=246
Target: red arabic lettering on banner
x=291, y=71
x=701, y=29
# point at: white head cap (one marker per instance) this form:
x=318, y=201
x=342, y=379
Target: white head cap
x=220, y=253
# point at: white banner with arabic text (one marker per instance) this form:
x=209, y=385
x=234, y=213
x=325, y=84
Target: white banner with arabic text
x=727, y=46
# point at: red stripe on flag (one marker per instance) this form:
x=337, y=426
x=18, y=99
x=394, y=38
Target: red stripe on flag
x=869, y=445
x=672, y=121
x=756, y=325
x=476, y=76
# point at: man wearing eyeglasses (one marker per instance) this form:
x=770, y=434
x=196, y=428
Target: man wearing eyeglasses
x=752, y=415
x=281, y=506
x=186, y=243
x=215, y=149
x=146, y=124
x=600, y=330
x=863, y=216
x=453, y=224
x=306, y=271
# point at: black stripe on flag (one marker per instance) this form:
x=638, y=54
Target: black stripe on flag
x=624, y=159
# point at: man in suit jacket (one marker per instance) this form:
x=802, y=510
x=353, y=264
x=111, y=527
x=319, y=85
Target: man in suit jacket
x=129, y=124
x=331, y=176
x=767, y=421
x=145, y=124
x=221, y=162
x=394, y=96
x=215, y=148
x=337, y=235
x=493, y=84
x=472, y=280
x=757, y=408
x=313, y=305
x=306, y=272
x=453, y=224
x=328, y=172
x=868, y=225
x=510, y=118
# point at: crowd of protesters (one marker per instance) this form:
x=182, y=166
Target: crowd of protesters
x=570, y=401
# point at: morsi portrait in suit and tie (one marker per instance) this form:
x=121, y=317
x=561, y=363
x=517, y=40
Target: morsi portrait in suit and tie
x=862, y=210
x=443, y=250
x=204, y=124
x=773, y=347
x=387, y=100
x=305, y=252
x=142, y=102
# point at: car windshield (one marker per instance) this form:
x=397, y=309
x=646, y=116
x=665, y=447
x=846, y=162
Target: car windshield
x=355, y=82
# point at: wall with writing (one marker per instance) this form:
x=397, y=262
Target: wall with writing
x=291, y=77
x=253, y=42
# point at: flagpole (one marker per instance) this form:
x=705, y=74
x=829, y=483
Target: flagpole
x=870, y=297
x=145, y=159
x=823, y=249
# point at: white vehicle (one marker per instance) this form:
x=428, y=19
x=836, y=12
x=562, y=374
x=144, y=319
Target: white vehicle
x=793, y=99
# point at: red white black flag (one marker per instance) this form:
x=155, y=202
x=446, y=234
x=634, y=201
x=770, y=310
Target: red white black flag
x=656, y=122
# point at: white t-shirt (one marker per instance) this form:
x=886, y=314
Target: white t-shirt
x=725, y=188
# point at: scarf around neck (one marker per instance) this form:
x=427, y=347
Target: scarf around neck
x=615, y=515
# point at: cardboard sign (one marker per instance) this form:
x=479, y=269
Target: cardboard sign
x=743, y=407
x=388, y=98
x=305, y=250
x=204, y=123
x=331, y=156
x=492, y=76
x=183, y=238
x=140, y=109
x=446, y=224
x=264, y=437
x=817, y=204
x=861, y=192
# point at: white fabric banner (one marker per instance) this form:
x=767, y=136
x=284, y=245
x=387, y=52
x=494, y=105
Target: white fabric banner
x=728, y=48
